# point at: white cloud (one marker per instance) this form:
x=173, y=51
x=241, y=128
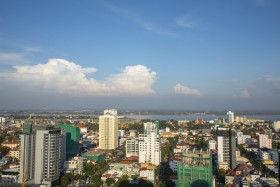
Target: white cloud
x=59, y=75
x=244, y=94
x=185, y=22
x=13, y=58
x=32, y=49
x=136, y=19
x=180, y=89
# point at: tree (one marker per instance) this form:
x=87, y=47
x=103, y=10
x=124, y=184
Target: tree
x=96, y=179
x=123, y=182
x=4, y=150
x=64, y=180
x=110, y=181
x=222, y=175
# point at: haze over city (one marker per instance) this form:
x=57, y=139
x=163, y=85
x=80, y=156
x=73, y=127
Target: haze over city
x=140, y=54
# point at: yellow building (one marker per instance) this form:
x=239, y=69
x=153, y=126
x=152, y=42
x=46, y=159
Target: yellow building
x=167, y=135
x=108, y=130
x=268, y=162
x=14, y=153
x=148, y=166
x=11, y=144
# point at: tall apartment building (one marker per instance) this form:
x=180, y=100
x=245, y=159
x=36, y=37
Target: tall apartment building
x=42, y=156
x=149, y=144
x=108, y=130
x=27, y=157
x=230, y=115
x=265, y=141
x=226, y=146
x=195, y=170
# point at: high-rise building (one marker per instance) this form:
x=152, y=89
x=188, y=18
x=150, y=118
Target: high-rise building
x=41, y=156
x=226, y=146
x=230, y=117
x=151, y=127
x=72, y=139
x=195, y=170
x=108, y=130
x=149, y=144
x=27, y=157
x=265, y=141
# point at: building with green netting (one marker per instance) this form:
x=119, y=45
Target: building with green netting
x=195, y=170
x=72, y=139
x=26, y=128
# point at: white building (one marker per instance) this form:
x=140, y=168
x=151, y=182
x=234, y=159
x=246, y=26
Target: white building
x=265, y=141
x=241, y=139
x=120, y=133
x=75, y=165
x=83, y=130
x=276, y=126
x=108, y=130
x=149, y=144
x=148, y=174
x=151, y=127
x=2, y=120
x=226, y=147
x=132, y=147
x=167, y=129
x=10, y=176
x=149, y=148
x=212, y=144
x=230, y=117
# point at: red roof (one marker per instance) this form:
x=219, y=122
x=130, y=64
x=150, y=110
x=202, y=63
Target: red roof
x=132, y=158
x=106, y=175
x=125, y=162
x=173, y=177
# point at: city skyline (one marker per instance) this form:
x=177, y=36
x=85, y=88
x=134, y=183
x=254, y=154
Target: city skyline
x=189, y=55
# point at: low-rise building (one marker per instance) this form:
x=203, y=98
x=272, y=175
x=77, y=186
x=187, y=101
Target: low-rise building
x=10, y=176
x=147, y=174
x=117, y=170
x=173, y=163
x=11, y=144
x=14, y=153
x=75, y=165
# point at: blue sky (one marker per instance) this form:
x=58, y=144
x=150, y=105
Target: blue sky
x=201, y=55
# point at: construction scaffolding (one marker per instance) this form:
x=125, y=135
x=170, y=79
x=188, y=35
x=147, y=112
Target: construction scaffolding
x=195, y=170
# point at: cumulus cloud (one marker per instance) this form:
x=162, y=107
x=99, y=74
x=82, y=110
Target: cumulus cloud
x=244, y=94
x=59, y=75
x=180, y=89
